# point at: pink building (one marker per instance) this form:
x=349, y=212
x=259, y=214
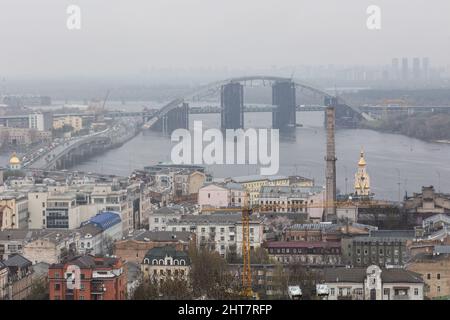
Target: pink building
x=213, y=196
x=222, y=196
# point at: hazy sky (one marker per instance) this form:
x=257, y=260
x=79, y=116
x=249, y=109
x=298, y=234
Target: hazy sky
x=119, y=36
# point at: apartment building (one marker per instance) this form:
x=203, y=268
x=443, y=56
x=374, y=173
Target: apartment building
x=380, y=247
x=222, y=196
x=305, y=253
x=373, y=283
x=253, y=185
x=93, y=278
x=75, y=122
x=221, y=232
x=99, y=233
x=14, y=212
x=62, y=211
x=20, y=277
x=287, y=199
x=435, y=271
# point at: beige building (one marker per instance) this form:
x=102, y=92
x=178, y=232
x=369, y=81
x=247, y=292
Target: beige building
x=253, y=185
x=166, y=262
x=3, y=281
x=23, y=136
x=15, y=210
x=74, y=121
x=435, y=271
x=373, y=283
x=136, y=245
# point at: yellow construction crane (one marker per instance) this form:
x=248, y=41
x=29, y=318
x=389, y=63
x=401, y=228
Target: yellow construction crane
x=247, y=290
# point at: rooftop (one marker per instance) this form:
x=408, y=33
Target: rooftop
x=18, y=261
x=104, y=220
x=166, y=251
x=358, y=275
x=303, y=244
x=90, y=262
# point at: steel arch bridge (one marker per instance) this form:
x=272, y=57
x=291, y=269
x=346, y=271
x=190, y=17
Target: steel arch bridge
x=213, y=88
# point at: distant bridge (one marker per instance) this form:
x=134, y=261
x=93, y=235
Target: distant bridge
x=346, y=115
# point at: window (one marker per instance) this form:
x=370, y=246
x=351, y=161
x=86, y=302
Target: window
x=386, y=291
x=428, y=276
x=156, y=220
x=416, y=291
x=340, y=292
x=81, y=297
x=82, y=286
x=331, y=291
x=57, y=286
x=438, y=289
x=438, y=276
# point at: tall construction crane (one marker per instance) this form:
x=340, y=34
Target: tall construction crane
x=247, y=290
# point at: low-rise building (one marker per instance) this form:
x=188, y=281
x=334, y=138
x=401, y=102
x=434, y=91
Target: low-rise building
x=306, y=253
x=159, y=218
x=435, y=271
x=420, y=206
x=225, y=195
x=161, y=263
x=75, y=122
x=287, y=199
x=253, y=185
x=221, y=232
x=373, y=283
x=3, y=281
x=135, y=246
x=20, y=277
x=88, y=278
x=50, y=246
x=380, y=247
x=99, y=233
x=14, y=214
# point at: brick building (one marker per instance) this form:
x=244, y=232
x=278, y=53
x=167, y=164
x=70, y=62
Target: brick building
x=88, y=278
x=136, y=245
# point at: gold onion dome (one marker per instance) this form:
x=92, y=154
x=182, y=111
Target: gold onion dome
x=362, y=161
x=14, y=159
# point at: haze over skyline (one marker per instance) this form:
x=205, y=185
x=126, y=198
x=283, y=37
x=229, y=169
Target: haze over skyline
x=119, y=37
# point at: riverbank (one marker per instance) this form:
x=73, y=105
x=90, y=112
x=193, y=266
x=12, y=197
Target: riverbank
x=426, y=127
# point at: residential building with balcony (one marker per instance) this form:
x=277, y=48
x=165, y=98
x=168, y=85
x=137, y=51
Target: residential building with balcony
x=88, y=278
x=220, y=231
x=373, y=283
x=306, y=253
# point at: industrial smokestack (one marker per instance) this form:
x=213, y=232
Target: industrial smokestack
x=330, y=158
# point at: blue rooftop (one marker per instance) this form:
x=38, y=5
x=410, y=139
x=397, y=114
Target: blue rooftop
x=104, y=220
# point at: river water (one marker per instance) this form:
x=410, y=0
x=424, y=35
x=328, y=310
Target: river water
x=395, y=163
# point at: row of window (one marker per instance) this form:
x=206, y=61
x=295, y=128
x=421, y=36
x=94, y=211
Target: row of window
x=168, y=262
x=306, y=250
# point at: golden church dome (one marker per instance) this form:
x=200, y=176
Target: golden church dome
x=14, y=159
x=362, y=161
